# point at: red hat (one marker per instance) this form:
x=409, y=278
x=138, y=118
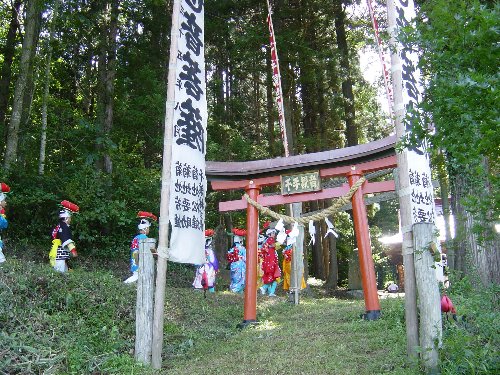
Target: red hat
x=69, y=206
x=239, y=232
x=209, y=232
x=4, y=188
x=146, y=215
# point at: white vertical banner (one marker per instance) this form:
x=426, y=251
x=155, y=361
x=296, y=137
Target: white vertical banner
x=188, y=183
x=420, y=179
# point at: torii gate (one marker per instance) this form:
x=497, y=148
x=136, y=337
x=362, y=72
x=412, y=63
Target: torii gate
x=351, y=162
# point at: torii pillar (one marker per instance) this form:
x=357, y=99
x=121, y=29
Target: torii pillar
x=250, y=304
x=366, y=264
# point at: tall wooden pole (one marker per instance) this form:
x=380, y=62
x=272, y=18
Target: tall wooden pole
x=402, y=186
x=161, y=274
x=250, y=307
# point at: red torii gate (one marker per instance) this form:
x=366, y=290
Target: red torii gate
x=351, y=162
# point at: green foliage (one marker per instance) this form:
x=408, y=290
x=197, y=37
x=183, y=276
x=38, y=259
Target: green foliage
x=470, y=345
x=108, y=205
x=460, y=54
x=83, y=322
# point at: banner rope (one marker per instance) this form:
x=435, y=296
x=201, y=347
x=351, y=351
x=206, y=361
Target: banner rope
x=317, y=216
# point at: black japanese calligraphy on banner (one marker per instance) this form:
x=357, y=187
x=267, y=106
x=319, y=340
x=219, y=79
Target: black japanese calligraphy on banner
x=188, y=182
x=420, y=184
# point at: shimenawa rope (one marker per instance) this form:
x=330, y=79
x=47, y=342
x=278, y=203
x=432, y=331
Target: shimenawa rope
x=316, y=217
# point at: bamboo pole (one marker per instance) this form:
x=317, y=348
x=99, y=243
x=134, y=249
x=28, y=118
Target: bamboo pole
x=161, y=275
x=144, y=305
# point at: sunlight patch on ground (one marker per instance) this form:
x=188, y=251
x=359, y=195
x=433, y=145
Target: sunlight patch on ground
x=266, y=325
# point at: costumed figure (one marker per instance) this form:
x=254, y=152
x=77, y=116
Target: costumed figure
x=287, y=267
x=63, y=246
x=270, y=267
x=237, y=257
x=4, y=189
x=143, y=232
x=206, y=273
x=260, y=258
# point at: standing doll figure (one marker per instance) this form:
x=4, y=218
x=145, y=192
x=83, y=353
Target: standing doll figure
x=270, y=267
x=63, y=246
x=143, y=232
x=237, y=257
x=206, y=273
x=4, y=189
x=287, y=268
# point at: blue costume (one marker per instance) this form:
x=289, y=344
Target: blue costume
x=134, y=252
x=237, y=256
x=3, y=225
x=134, y=247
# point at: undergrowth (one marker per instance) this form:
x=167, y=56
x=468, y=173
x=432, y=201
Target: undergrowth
x=82, y=322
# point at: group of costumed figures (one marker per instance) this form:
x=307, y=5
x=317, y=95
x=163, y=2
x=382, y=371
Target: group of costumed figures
x=269, y=272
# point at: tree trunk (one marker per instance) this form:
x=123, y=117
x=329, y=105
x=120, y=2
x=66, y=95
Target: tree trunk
x=478, y=255
x=33, y=19
x=317, y=250
x=333, y=272
x=107, y=72
x=45, y=99
x=8, y=56
x=271, y=134
x=347, y=92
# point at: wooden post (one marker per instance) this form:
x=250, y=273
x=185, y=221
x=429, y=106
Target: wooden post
x=250, y=308
x=144, y=305
x=297, y=271
x=410, y=288
x=161, y=274
x=429, y=296
x=366, y=264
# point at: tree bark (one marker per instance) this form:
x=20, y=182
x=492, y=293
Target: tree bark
x=33, y=18
x=107, y=72
x=477, y=255
x=347, y=92
x=333, y=272
x=8, y=56
x=317, y=250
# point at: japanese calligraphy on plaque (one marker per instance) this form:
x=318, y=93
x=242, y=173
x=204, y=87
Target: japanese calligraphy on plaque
x=419, y=171
x=188, y=183
x=300, y=183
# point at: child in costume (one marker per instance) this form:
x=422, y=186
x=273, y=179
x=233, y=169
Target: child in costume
x=206, y=273
x=4, y=189
x=237, y=257
x=270, y=267
x=143, y=228
x=63, y=246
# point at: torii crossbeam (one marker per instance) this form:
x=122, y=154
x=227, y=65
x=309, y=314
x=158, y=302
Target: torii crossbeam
x=351, y=162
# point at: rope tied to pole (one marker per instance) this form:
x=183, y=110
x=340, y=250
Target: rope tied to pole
x=316, y=217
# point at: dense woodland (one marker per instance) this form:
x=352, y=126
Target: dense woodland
x=82, y=97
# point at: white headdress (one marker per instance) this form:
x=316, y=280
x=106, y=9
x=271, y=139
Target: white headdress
x=143, y=224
